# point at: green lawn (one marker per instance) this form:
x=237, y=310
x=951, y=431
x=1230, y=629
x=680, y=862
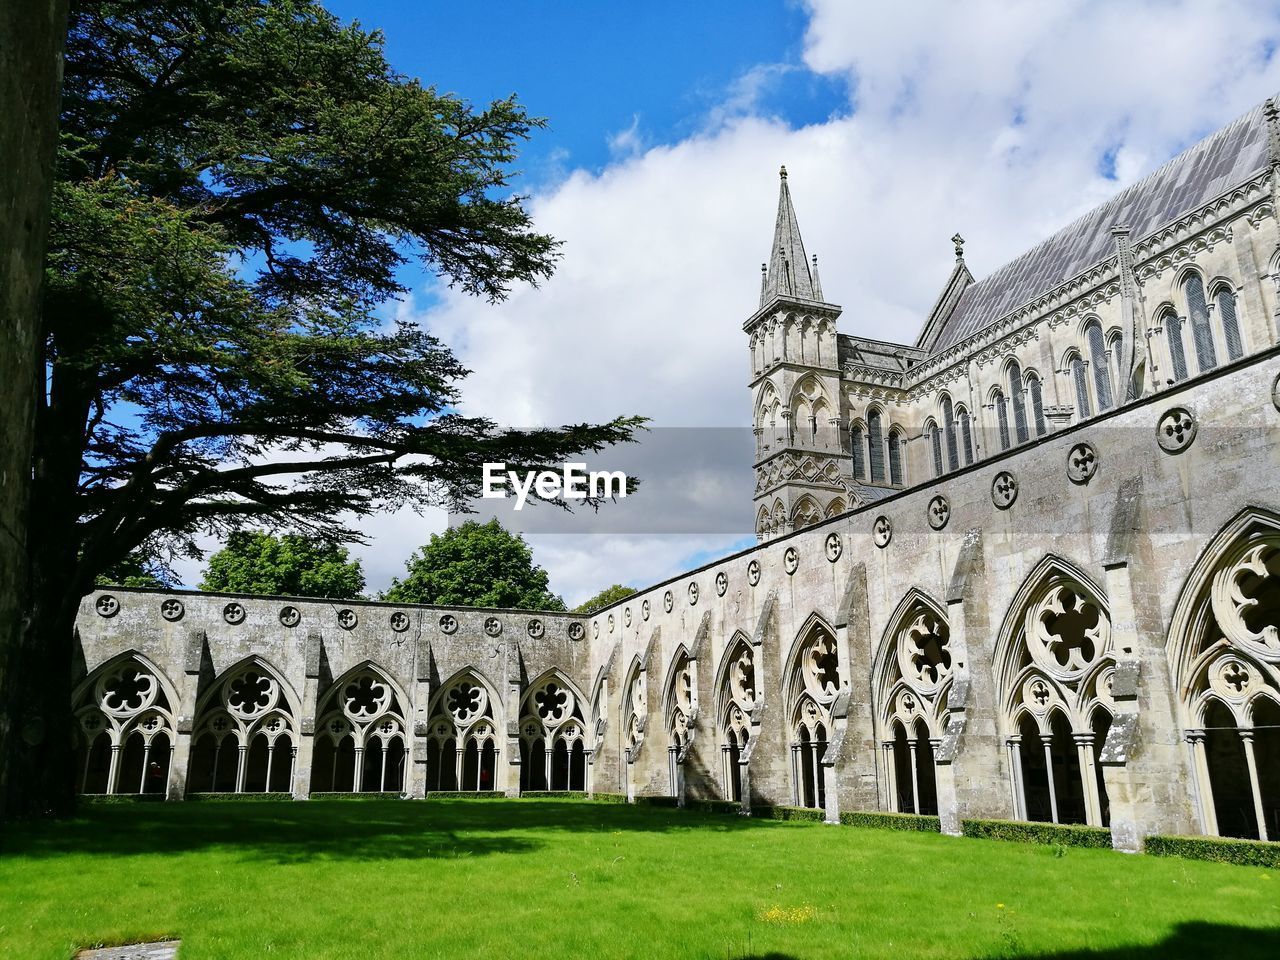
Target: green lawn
x=550, y=879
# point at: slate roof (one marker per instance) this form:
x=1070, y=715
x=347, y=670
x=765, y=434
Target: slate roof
x=1196, y=176
x=788, y=274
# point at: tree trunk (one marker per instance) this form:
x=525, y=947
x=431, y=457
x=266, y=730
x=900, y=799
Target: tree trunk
x=32, y=33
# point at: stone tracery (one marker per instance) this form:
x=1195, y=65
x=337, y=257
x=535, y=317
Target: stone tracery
x=126, y=729
x=360, y=737
x=245, y=738
x=553, y=743
x=462, y=743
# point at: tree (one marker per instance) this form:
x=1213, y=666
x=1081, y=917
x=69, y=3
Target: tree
x=606, y=597
x=295, y=565
x=240, y=183
x=135, y=570
x=31, y=41
x=475, y=565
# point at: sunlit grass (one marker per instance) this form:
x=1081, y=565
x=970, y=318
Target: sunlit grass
x=550, y=879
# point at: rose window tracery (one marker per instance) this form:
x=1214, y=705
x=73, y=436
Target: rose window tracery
x=365, y=697
x=465, y=701
x=127, y=691
x=924, y=653
x=1066, y=632
x=822, y=665
x=1246, y=594
x=251, y=694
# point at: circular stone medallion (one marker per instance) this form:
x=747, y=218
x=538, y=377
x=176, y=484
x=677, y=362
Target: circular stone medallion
x=1176, y=429
x=1004, y=490
x=939, y=512
x=882, y=531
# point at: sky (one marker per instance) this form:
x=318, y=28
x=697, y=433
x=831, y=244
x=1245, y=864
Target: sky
x=899, y=124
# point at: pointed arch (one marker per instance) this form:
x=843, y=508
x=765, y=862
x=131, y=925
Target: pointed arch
x=252, y=661
x=553, y=715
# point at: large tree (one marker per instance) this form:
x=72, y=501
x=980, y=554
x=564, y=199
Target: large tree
x=31, y=38
x=254, y=561
x=242, y=183
x=605, y=598
x=475, y=565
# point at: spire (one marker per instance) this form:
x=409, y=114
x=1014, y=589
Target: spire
x=789, y=273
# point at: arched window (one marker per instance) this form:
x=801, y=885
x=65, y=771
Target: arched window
x=1177, y=350
x=359, y=744
x=1017, y=402
x=552, y=733
x=1226, y=301
x=875, y=443
x=1078, y=378
x=1119, y=378
x=949, y=432
x=246, y=713
x=1054, y=670
x=682, y=705
x=935, y=446
x=126, y=730
x=462, y=751
x=966, y=436
x=813, y=682
x=1002, y=417
x=895, y=457
x=1037, y=404
x=737, y=701
x=1198, y=313
x=858, y=448
x=1101, y=368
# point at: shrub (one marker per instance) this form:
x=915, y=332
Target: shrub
x=466, y=795
x=891, y=821
x=1067, y=835
x=103, y=799
x=789, y=813
x=343, y=795
x=714, y=806
x=221, y=795
x=553, y=795
x=1249, y=853
x=657, y=802
x=609, y=797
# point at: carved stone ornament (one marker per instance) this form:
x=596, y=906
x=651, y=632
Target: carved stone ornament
x=790, y=561
x=595, y=629
x=924, y=654
x=833, y=547
x=172, y=609
x=611, y=623
x=668, y=601
x=1239, y=596
x=626, y=616
x=753, y=572
x=644, y=610
x=233, y=613
x=290, y=616
x=448, y=623
x=399, y=621
x=347, y=619
x=107, y=606
x=576, y=631
x=1176, y=429
x=1004, y=490
x=938, y=512
x=722, y=583
x=1082, y=463
x=882, y=531
x=1233, y=679
x=535, y=628
x=1067, y=632
x=492, y=626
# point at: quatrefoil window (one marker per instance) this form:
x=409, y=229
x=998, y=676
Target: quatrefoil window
x=1070, y=629
x=552, y=702
x=366, y=697
x=128, y=691
x=250, y=694
x=925, y=644
x=465, y=701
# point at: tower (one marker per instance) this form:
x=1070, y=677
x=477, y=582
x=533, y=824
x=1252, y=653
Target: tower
x=801, y=463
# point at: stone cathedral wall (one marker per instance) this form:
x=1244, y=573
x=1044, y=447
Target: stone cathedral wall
x=1121, y=505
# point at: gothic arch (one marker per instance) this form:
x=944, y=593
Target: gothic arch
x=1053, y=667
x=805, y=513
x=361, y=743
x=553, y=720
x=1224, y=656
x=462, y=743
x=737, y=686
x=810, y=686
x=125, y=711
x=635, y=708
x=245, y=736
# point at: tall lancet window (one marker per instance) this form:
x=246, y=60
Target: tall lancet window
x=858, y=447
x=895, y=457
x=949, y=432
x=1177, y=350
x=935, y=445
x=1101, y=368
x=1078, y=377
x=1002, y=417
x=1198, y=312
x=966, y=436
x=1037, y=404
x=1226, y=301
x=1017, y=402
x=875, y=441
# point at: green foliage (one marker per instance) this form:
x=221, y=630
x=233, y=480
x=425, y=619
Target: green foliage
x=655, y=801
x=606, y=597
x=354, y=797
x=239, y=881
x=475, y=565
x=240, y=182
x=465, y=795
x=554, y=795
x=1246, y=853
x=223, y=797
x=293, y=565
x=805, y=814
x=891, y=821
x=714, y=806
x=134, y=570
x=609, y=797
x=1067, y=835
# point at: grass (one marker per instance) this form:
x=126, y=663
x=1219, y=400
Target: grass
x=554, y=878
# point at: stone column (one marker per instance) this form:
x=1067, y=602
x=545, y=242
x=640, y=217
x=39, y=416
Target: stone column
x=307, y=722
x=188, y=692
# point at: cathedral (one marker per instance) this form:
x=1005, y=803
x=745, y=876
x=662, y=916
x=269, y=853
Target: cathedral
x=1024, y=568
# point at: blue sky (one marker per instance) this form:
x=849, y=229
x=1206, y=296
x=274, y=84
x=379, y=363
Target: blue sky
x=900, y=124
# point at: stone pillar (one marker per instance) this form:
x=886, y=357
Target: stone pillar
x=853, y=783
x=307, y=722
x=415, y=786
x=185, y=709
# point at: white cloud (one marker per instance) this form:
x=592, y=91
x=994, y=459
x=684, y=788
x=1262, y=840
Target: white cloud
x=990, y=117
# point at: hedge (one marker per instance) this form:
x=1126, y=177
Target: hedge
x=102, y=799
x=466, y=795
x=1066, y=835
x=344, y=795
x=714, y=806
x=553, y=794
x=789, y=813
x=222, y=795
x=609, y=797
x=656, y=802
x=892, y=821
x=1248, y=853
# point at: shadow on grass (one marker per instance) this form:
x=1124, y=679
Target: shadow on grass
x=1195, y=939
x=343, y=830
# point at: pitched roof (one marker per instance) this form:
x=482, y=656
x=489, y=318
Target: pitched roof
x=1196, y=176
